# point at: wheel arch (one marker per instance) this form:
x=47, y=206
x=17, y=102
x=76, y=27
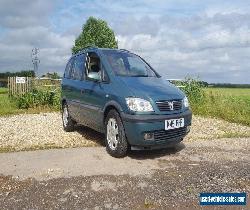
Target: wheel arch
x=109, y=106
x=63, y=101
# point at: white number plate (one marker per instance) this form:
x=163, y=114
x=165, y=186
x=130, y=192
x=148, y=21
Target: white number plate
x=174, y=123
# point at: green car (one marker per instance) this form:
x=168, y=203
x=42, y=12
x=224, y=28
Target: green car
x=116, y=92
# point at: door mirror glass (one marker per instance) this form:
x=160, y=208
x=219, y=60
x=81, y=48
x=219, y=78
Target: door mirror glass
x=95, y=76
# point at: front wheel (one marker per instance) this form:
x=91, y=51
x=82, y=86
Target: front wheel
x=68, y=122
x=116, y=142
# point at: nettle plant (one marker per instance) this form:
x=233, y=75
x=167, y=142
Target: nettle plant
x=193, y=88
x=40, y=98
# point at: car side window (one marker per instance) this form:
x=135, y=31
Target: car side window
x=79, y=68
x=67, y=73
x=93, y=66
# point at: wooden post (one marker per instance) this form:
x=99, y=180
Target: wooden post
x=8, y=85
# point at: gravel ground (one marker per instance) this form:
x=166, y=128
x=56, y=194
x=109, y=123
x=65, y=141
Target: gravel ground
x=43, y=131
x=88, y=178
x=211, y=159
x=174, y=189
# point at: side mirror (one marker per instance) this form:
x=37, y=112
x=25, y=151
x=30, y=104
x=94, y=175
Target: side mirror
x=95, y=76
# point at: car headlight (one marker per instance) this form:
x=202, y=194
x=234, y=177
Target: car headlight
x=185, y=102
x=139, y=105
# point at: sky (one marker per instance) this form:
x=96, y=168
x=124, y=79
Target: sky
x=207, y=39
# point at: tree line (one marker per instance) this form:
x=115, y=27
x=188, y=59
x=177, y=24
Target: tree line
x=229, y=85
x=28, y=73
x=23, y=73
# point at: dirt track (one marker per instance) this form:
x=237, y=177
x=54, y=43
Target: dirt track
x=89, y=178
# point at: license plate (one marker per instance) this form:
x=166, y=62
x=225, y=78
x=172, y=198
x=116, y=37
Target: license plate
x=174, y=123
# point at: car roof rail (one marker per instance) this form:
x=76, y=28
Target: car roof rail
x=84, y=49
x=90, y=46
x=124, y=50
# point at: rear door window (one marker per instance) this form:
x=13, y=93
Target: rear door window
x=79, y=67
x=68, y=69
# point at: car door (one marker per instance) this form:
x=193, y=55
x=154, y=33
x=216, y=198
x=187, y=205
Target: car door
x=68, y=88
x=77, y=85
x=93, y=100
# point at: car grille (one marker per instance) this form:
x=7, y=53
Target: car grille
x=165, y=106
x=161, y=135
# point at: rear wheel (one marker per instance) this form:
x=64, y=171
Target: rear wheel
x=68, y=122
x=116, y=142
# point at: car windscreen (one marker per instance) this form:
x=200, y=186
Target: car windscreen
x=127, y=64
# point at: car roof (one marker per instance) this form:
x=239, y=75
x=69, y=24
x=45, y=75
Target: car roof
x=98, y=48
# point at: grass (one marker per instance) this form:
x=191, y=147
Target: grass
x=234, y=135
x=231, y=104
x=238, y=92
x=7, y=106
x=3, y=90
x=30, y=148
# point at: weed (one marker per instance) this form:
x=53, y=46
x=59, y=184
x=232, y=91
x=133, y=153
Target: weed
x=38, y=98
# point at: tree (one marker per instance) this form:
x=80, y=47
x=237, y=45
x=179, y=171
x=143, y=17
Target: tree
x=23, y=73
x=53, y=75
x=95, y=32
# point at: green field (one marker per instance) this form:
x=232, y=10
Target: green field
x=231, y=104
x=236, y=92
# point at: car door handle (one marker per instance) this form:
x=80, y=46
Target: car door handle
x=82, y=91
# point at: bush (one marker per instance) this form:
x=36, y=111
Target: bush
x=40, y=98
x=193, y=88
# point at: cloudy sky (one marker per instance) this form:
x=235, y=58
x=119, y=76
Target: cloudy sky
x=208, y=38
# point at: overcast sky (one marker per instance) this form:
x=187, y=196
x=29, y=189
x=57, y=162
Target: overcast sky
x=209, y=39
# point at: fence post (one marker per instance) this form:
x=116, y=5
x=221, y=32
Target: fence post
x=8, y=85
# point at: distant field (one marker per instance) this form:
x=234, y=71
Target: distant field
x=231, y=104
x=238, y=92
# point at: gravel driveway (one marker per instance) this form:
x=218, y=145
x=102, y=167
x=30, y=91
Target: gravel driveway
x=43, y=131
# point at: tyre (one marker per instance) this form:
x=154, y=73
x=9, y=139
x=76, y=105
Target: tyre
x=115, y=139
x=68, y=122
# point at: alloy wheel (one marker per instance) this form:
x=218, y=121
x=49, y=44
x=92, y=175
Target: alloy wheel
x=112, y=133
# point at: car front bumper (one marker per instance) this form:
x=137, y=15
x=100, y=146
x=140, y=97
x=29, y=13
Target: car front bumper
x=137, y=125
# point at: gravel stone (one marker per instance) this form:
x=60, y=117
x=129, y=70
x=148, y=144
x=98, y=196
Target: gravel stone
x=39, y=131
x=214, y=157
x=44, y=131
